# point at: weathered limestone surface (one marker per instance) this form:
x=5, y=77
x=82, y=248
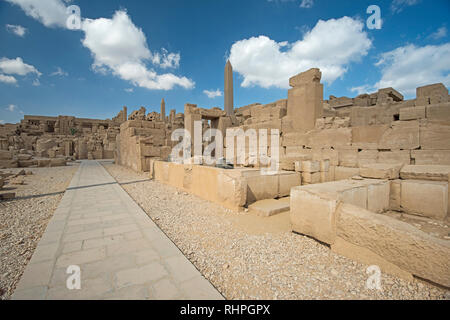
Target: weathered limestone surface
x=395, y=195
x=342, y=173
x=438, y=112
x=401, y=135
x=313, y=207
x=425, y=172
x=396, y=242
x=435, y=136
x=440, y=157
x=380, y=171
x=269, y=207
x=425, y=198
x=395, y=157
x=368, y=257
x=305, y=100
x=368, y=137
x=412, y=113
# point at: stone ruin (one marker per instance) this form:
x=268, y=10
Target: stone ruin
x=367, y=176
x=51, y=141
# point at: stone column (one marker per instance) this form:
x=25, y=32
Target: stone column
x=305, y=100
x=163, y=110
x=124, y=114
x=172, y=116
x=228, y=90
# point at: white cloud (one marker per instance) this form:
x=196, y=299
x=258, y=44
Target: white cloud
x=213, y=93
x=17, y=30
x=2, y=121
x=331, y=46
x=166, y=59
x=409, y=67
x=36, y=82
x=362, y=89
x=399, y=5
x=7, y=79
x=17, y=66
x=307, y=4
x=52, y=13
x=118, y=46
x=11, y=108
x=440, y=33
x=129, y=90
x=59, y=72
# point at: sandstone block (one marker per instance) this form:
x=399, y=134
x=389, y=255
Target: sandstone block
x=330, y=138
x=342, y=173
x=286, y=181
x=368, y=257
x=439, y=112
x=366, y=157
x=401, y=135
x=311, y=177
x=24, y=156
x=412, y=113
x=380, y=171
x=305, y=106
x=395, y=195
x=368, y=137
x=313, y=215
x=325, y=165
x=395, y=241
x=378, y=196
x=43, y=163
x=440, y=157
x=425, y=172
x=325, y=176
x=437, y=89
x=298, y=166
x=294, y=139
x=425, y=198
x=395, y=157
x=310, y=76
x=310, y=166
x=8, y=164
x=269, y=207
x=435, y=136
x=5, y=155
x=348, y=157
x=330, y=154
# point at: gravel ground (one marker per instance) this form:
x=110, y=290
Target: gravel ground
x=250, y=257
x=24, y=219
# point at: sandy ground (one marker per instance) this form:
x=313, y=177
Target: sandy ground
x=250, y=257
x=24, y=219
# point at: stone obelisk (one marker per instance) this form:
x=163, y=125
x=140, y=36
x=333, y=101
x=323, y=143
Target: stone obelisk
x=228, y=89
x=163, y=110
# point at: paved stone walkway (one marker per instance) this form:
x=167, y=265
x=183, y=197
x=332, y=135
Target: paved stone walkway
x=121, y=253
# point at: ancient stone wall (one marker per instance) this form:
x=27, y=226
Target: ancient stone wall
x=39, y=137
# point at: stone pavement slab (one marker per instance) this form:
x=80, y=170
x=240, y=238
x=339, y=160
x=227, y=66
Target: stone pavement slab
x=120, y=252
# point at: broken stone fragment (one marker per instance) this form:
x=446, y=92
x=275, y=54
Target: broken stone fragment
x=310, y=76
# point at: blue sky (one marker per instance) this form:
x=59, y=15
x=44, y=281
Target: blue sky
x=135, y=52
